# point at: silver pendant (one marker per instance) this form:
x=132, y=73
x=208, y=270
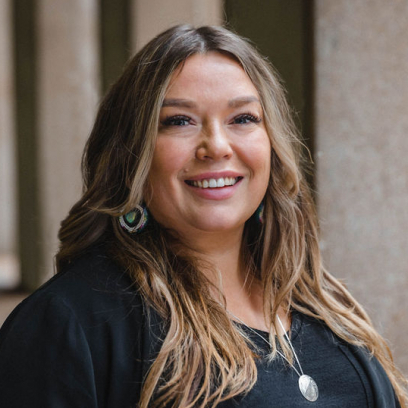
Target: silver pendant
x=308, y=388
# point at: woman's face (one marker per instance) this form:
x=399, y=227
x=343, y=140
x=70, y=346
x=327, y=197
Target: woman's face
x=211, y=162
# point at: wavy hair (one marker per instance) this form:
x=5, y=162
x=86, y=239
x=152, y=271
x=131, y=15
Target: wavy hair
x=204, y=359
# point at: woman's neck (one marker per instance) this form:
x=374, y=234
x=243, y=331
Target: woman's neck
x=223, y=252
x=228, y=273
x=242, y=291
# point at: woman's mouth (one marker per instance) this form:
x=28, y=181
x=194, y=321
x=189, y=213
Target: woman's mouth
x=214, y=183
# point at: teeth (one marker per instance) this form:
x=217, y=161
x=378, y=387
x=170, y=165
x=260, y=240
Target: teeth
x=213, y=183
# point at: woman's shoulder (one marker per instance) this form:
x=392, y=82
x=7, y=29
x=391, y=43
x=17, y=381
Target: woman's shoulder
x=94, y=272
x=93, y=289
x=83, y=330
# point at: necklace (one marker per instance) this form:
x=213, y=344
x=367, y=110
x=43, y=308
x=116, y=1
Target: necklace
x=307, y=385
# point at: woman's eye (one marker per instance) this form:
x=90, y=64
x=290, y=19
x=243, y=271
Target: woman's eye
x=246, y=118
x=176, y=121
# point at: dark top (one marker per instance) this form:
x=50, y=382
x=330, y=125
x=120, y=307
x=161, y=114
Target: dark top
x=82, y=340
x=340, y=379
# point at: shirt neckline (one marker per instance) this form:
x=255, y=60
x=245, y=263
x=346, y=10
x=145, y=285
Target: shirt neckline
x=295, y=327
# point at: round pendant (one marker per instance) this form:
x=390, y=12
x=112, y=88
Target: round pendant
x=308, y=388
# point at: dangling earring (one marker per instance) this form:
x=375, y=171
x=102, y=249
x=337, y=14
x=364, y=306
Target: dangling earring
x=259, y=214
x=135, y=220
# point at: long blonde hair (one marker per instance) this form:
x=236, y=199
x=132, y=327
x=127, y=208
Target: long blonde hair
x=203, y=359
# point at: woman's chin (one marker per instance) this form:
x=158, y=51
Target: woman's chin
x=218, y=225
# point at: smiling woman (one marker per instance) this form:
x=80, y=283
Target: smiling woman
x=189, y=273
x=211, y=161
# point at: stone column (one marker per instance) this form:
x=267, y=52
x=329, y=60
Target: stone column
x=68, y=89
x=8, y=183
x=362, y=145
x=153, y=16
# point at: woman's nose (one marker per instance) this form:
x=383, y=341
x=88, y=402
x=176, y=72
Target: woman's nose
x=214, y=144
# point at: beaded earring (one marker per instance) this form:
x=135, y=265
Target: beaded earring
x=135, y=220
x=259, y=214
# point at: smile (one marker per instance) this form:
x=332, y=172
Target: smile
x=214, y=183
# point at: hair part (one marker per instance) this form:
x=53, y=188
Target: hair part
x=204, y=359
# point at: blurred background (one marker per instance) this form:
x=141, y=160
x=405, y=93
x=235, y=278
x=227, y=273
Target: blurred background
x=344, y=63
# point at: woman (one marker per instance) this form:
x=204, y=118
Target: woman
x=193, y=256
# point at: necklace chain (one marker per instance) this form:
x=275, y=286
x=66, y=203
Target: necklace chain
x=291, y=346
x=307, y=385
x=269, y=344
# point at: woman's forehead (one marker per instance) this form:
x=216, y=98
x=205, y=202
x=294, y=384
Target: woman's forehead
x=210, y=72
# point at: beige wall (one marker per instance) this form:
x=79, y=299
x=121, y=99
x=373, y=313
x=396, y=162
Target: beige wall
x=362, y=147
x=68, y=93
x=150, y=17
x=8, y=201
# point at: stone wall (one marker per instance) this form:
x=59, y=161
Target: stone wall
x=8, y=178
x=362, y=144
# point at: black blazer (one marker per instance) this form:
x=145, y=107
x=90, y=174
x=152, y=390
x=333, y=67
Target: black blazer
x=384, y=396
x=84, y=340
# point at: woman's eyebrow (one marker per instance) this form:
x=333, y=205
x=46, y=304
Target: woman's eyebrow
x=187, y=103
x=242, y=100
x=183, y=103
